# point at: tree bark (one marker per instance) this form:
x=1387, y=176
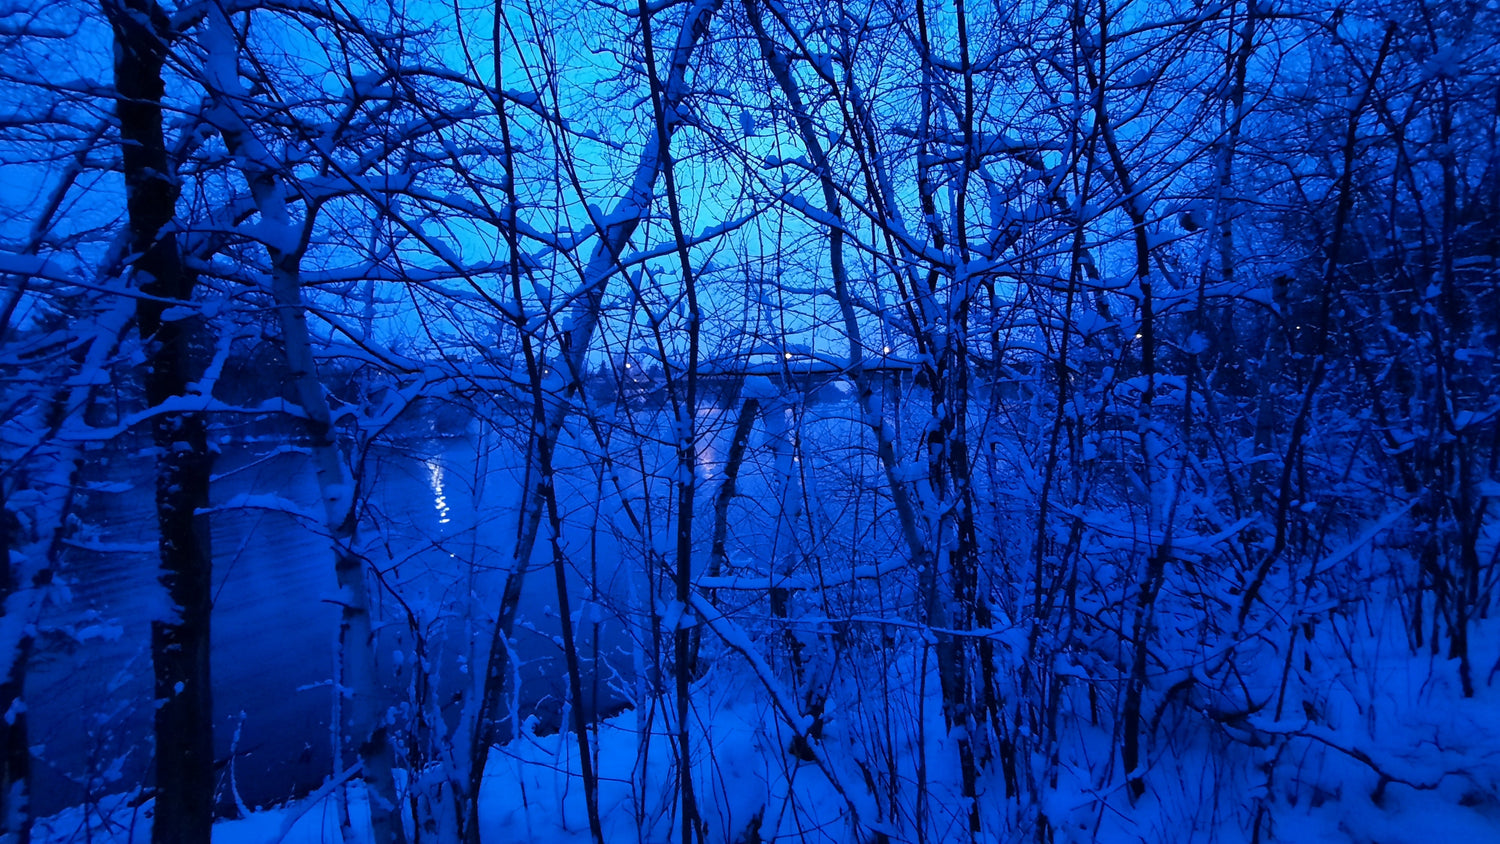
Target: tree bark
x=179, y=639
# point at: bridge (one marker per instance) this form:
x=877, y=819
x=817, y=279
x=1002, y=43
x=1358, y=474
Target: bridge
x=814, y=376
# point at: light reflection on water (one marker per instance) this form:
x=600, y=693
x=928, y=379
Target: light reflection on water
x=707, y=459
x=439, y=497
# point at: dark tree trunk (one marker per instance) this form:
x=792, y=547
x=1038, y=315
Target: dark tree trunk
x=179, y=641
x=15, y=749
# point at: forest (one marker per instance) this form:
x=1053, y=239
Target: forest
x=743, y=420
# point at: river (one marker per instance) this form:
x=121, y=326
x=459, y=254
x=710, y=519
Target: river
x=438, y=525
x=439, y=522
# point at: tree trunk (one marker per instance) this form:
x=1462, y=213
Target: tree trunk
x=363, y=723
x=15, y=749
x=179, y=639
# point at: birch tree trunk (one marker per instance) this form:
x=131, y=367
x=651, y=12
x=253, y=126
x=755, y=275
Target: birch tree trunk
x=285, y=243
x=29, y=571
x=24, y=574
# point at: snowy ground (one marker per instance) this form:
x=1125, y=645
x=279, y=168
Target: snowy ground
x=1374, y=745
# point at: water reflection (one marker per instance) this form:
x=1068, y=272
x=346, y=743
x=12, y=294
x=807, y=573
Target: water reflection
x=708, y=459
x=710, y=419
x=439, y=498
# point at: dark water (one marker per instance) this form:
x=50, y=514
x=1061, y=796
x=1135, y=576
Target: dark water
x=439, y=523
